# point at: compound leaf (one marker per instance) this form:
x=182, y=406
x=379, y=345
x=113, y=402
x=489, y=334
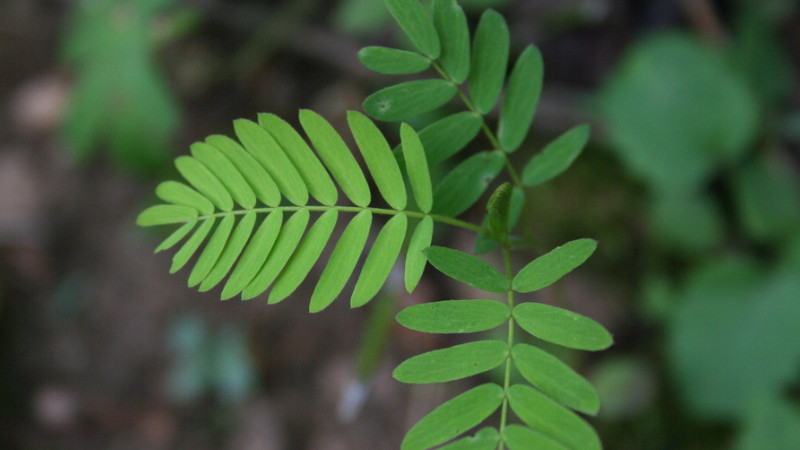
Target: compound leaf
x=467, y=269
x=380, y=260
x=562, y=327
x=522, y=96
x=417, y=167
x=489, y=61
x=410, y=99
x=454, y=316
x=549, y=268
x=380, y=161
x=454, y=417
x=392, y=61
x=451, y=25
x=417, y=25
x=415, y=259
x=556, y=156
x=452, y=363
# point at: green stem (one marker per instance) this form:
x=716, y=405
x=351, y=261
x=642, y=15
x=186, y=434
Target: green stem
x=354, y=209
x=507, y=378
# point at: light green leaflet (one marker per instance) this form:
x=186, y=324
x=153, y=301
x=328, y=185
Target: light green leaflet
x=191, y=245
x=392, y=61
x=233, y=249
x=518, y=437
x=454, y=316
x=467, y=269
x=449, y=135
x=342, y=262
x=556, y=156
x=522, y=96
x=489, y=60
x=410, y=99
x=380, y=161
x=225, y=171
x=485, y=439
x=262, y=184
x=452, y=363
x=451, y=24
x=454, y=417
x=166, y=214
x=254, y=254
x=549, y=268
x=336, y=156
x=416, y=167
x=465, y=184
x=562, y=327
x=380, y=260
x=417, y=25
x=176, y=236
x=198, y=175
x=415, y=259
x=551, y=419
x=270, y=155
x=555, y=378
x=304, y=257
x=181, y=194
x=289, y=237
x=211, y=253
x=311, y=170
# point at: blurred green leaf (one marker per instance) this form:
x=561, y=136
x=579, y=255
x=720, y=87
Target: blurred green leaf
x=770, y=423
x=690, y=223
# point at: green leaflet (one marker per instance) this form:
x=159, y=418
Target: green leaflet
x=212, y=251
x=380, y=260
x=454, y=417
x=410, y=99
x=451, y=25
x=311, y=170
x=452, y=363
x=489, y=61
x=342, y=262
x=522, y=96
x=449, y=135
x=417, y=25
x=264, y=187
x=176, y=236
x=188, y=248
x=465, y=184
x=415, y=259
x=165, y=214
x=562, y=327
x=498, y=211
x=392, y=61
x=484, y=243
x=485, y=439
x=551, y=419
x=304, y=257
x=549, y=268
x=556, y=156
x=467, y=269
x=417, y=167
x=225, y=171
x=336, y=156
x=198, y=175
x=555, y=378
x=181, y=194
x=254, y=254
x=454, y=316
x=270, y=155
x=233, y=249
x=380, y=161
x=518, y=437
x=289, y=237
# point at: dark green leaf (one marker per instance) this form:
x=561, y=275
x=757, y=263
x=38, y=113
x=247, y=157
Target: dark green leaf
x=417, y=167
x=454, y=316
x=465, y=184
x=254, y=254
x=555, y=378
x=417, y=25
x=380, y=260
x=556, y=157
x=467, y=269
x=768, y=199
x=410, y=99
x=549, y=268
x=452, y=363
x=234, y=247
x=485, y=439
x=518, y=437
x=484, y=243
x=380, y=161
x=181, y=194
x=165, y=214
x=447, y=136
x=551, y=419
x=415, y=259
x=562, y=327
x=451, y=25
x=489, y=61
x=498, y=209
x=265, y=188
x=454, y=417
x=392, y=61
x=198, y=175
x=522, y=96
